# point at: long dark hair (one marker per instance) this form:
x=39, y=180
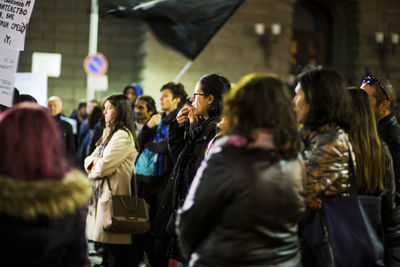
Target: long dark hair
x=262, y=101
x=30, y=144
x=216, y=85
x=94, y=117
x=326, y=92
x=372, y=162
x=124, y=118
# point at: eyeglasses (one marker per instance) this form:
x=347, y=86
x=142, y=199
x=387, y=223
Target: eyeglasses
x=372, y=80
x=196, y=94
x=140, y=107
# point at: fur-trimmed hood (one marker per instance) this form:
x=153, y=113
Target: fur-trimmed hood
x=54, y=199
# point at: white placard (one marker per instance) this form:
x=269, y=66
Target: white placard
x=98, y=82
x=47, y=63
x=34, y=84
x=8, y=59
x=6, y=87
x=14, y=19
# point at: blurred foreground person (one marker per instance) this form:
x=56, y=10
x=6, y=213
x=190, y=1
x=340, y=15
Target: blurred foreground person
x=246, y=200
x=40, y=201
x=112, y=160
x=375, y=174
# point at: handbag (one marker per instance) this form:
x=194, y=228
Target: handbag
x=346, y=231
x=126, y=214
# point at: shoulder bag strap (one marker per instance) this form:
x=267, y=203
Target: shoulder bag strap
x=135, y=187
x=108, y=183
x=133, y=174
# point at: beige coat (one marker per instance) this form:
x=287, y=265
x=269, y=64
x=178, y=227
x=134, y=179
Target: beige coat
x=117, y=164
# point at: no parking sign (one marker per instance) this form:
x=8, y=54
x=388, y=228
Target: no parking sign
x=95, y=64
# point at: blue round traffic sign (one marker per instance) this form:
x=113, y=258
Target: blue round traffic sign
x=95, y=64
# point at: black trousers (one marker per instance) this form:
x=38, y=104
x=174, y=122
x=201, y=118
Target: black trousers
x=122, y=255
x=154, y=247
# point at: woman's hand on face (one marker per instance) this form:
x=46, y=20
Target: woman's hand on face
x=182, y=116
x=154, y=121
x=192, y=118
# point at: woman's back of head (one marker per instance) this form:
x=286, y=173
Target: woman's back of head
x=30, y=144
x=372, y=162
x=263, y=102
x=326, y=93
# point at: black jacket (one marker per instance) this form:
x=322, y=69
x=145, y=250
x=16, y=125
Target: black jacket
x=146, y=140
x=151, y=188
x=187, y=146
x=67, y=138
x=243, y=209
x=389, y=131
x=41, y=222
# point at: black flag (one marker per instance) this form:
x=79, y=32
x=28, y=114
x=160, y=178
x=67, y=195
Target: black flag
x=185, y=25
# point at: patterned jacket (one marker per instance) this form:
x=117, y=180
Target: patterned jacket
x=326, y=157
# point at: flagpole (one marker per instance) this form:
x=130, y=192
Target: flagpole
x=93, y=37
x=184, y=69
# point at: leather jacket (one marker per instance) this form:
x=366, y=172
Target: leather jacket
x=187, y=146
x=243, y=209
x=326, y=157
x=389, y=131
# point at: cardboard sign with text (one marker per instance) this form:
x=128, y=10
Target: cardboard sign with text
x=14, y=19
x=6, y=87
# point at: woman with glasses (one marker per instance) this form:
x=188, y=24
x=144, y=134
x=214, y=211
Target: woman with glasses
x=247, y=199
x=189, y=135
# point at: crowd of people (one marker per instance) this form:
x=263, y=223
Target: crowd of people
x=253, y=175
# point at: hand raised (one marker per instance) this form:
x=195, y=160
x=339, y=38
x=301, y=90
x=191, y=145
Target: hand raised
x=182, y=116
x=154, y=121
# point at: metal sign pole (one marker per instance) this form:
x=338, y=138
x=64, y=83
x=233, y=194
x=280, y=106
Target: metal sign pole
x=93, y=36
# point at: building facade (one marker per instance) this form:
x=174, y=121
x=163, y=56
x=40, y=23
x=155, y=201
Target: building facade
x=343, y=34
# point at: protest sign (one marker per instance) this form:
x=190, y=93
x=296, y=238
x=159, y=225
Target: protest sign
x=47, y=63
x=6, y=87
x=8, y=59
x=34, y=84
x=98, y=82
x=14, y=19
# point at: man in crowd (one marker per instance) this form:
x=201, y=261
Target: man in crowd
x=145, y=107
x=383, y=97
x=79, y=115
x=54, y=106
x=133, y=91
x=84, y=128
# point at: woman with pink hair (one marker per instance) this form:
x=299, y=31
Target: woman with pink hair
x=40, y=199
